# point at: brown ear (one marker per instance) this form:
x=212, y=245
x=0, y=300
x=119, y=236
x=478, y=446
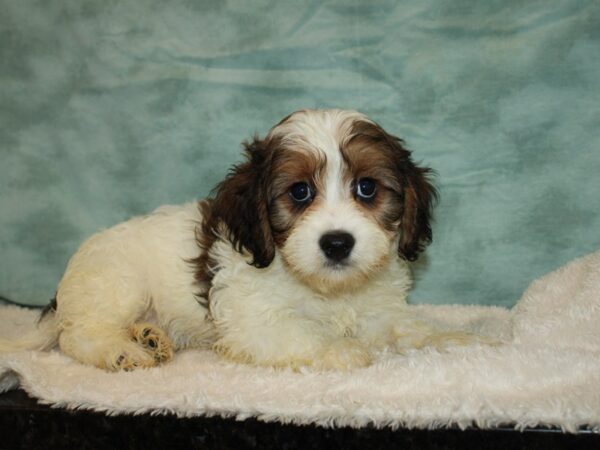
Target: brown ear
x=241, y=204
x=419, y=198
x=413, y=188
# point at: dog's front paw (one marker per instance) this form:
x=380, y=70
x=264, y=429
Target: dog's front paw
x=459, y=338
x=344, y=354
x=131, y=360
x=441, y=340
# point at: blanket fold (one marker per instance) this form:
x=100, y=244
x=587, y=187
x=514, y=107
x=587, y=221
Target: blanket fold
x=546, y=374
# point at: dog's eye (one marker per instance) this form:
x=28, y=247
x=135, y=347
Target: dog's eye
x=301, y=192
x=366, y=188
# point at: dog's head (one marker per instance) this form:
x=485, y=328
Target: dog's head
x=333, y=193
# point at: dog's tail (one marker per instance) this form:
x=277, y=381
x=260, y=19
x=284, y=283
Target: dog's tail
x=43, y=337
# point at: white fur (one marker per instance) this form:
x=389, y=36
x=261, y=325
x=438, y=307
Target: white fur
x=136, y=269
x=292, y=325
x=302, y=251
x=129, y=292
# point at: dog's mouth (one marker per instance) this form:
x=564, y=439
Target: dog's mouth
x=337, y=266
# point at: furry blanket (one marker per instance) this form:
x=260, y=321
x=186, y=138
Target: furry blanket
x=548, y=372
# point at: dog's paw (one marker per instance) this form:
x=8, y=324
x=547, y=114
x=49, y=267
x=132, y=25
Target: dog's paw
x=154, y=341
x=442, y=340
x=464, y=338
x=131, y=360
x=344, y=354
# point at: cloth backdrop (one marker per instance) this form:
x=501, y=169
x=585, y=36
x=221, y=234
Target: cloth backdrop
x=112, y=108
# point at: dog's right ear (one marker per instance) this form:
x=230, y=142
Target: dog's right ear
x=241, y=205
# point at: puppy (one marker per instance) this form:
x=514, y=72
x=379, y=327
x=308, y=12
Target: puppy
x=300, y=259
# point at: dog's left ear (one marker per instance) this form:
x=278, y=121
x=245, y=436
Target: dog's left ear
x=414, y=188
x=419, y=198
x=241, y=204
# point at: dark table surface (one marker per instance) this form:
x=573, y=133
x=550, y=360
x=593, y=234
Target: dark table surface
x=24, y=423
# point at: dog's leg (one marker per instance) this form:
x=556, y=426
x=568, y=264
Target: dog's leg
x=343, y=354
x=403, y=328
x=287, y=341
x=421, y=334
x=106, y=347
x=185, y=321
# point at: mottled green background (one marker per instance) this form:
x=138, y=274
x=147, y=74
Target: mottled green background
x=112, y=108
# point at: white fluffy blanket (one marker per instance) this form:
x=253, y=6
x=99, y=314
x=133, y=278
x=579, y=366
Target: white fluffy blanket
x=547, y=374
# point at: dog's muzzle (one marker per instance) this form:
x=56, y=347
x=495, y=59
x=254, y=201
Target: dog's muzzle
x=337, y=245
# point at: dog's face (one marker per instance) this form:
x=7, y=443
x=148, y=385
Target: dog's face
x=333, y=193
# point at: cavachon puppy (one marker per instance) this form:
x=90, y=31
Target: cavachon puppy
x=299, y=259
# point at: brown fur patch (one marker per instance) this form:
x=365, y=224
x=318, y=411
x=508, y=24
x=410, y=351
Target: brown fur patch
x=239, y=211
x=405, y=195
x=291, y=167
x=204, y=264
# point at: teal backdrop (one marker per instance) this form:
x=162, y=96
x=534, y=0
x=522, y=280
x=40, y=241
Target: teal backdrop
x=109, y=109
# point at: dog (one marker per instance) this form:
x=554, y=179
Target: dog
x=298, y=259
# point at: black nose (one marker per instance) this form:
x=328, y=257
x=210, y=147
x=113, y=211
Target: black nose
x=336, y=245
